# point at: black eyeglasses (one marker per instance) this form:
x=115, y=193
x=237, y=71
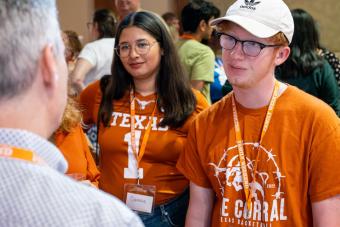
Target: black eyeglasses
x=250, y=48
x=142, y=47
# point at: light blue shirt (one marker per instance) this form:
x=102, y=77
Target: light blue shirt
x=41, y=195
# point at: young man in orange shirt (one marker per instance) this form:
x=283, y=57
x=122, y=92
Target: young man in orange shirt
x=267, y=154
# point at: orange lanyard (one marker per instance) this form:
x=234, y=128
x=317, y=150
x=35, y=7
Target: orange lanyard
x=133, y=132
x=240, y=145
x=19, y=153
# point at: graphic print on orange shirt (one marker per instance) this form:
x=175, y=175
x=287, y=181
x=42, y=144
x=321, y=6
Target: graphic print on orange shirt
x=268, y=198
x=141, y=122
x=161, y=153
x=157, y=167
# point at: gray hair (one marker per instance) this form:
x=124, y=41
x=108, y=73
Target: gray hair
x=26, y=27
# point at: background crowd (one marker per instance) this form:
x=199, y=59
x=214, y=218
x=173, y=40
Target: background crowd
x=144, y=116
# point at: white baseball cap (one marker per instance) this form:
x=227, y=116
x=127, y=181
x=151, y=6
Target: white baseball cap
x=262, y=18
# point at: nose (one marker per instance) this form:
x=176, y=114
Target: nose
x=133, y=53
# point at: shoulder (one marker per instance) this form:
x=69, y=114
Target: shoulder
x=196, y=47
x=215, y=114
x=296, y=102
x=325, y=66
x=89, y=100
x=92, y=90
x=59, y=200
x=97, y=45
x=201, y=100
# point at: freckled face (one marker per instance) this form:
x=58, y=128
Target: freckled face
x=245, y=71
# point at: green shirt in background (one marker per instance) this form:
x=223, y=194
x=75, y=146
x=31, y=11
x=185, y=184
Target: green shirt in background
x=198, y=61
x=320, y=83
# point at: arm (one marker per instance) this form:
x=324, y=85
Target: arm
x=198, y=84
x=77, y=76
x=89, y=101
x=202, y=72
x=327, y=212
x=200, y=206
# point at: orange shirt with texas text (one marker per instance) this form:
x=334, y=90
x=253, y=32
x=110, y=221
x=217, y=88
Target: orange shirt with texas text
x=117, y=160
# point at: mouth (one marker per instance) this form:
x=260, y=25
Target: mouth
x=235, y=67
x=136, y=64
x=235, y=70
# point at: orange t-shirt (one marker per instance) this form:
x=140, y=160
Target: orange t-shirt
x=117, y=161
x=298, y=160
x=75, y=148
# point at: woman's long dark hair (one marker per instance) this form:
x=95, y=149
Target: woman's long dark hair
x=172, y=84
x=304, y=57
x=106, y=23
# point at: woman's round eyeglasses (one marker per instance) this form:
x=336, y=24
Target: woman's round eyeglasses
x=141, y=47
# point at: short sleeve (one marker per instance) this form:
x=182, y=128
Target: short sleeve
x=203, y=68
x=89, y=102
x=202, y=102
x=88, y=53
x=324, y=160
x=190, y=163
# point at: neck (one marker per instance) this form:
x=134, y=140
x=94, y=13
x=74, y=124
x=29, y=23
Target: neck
x=194, y=36
x=18, y=114
x=145, y=86
x=255, y=97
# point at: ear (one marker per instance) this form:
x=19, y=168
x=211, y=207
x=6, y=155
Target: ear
x=281, y=55
x=48, y=66
x=202, y=26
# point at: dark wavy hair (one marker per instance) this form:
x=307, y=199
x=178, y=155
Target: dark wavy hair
x=106, y=23
x=174, y=93
x=304, y=57
x=194, y=12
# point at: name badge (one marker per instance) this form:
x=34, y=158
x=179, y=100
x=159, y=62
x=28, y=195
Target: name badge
x=140, y=198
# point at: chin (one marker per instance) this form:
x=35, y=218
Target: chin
x=237, y=82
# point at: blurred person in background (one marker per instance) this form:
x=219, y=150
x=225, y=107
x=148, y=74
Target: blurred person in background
x=125, y=7
x=94, y=60
x=333, y=60
x=198, y=59
x=220, y=76
x=305, y=67
x=219, y=73
x=72, y=48
x=173, y=23
x=74, y=145
x=171, y=20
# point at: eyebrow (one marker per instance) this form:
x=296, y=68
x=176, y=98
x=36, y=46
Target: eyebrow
x=243, y=40
x=138, y=40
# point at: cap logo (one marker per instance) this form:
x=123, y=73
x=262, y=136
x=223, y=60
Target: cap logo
x=250, y=4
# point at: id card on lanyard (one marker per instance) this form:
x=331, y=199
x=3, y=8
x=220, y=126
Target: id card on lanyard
x=139, y=197
x=240, y=146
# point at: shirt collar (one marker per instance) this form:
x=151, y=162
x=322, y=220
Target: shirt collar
x=24, y=139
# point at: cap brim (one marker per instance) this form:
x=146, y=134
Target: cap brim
x=252, y=26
